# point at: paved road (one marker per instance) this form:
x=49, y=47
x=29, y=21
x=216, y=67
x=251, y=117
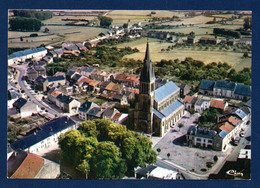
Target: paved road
x=22, y=70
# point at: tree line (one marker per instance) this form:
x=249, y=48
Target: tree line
x=105, y=150
x=25, y=24
x=194, y=70
x=41, y=15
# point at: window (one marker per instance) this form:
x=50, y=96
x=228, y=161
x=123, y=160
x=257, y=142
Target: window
x=198, y=139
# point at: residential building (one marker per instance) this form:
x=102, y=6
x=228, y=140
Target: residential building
x=23, y=165
x=67, y=104
x=85, y=108
x=21, y=56
x=152, y=172
x=200, y=137
x=218, y=104
x=25, y=108
x=184, y=90
x=45, y=136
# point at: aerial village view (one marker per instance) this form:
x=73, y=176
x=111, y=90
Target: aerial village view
x=129, y=94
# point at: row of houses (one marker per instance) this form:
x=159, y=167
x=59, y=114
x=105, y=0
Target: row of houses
x=222, y=88
x=225, y=131
x=201, y=104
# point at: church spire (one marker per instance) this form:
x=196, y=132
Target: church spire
x=147, y=74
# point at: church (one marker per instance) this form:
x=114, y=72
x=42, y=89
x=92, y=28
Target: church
x=157, y=109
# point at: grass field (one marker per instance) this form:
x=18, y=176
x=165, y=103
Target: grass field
x=60, y=34
x=235, y=59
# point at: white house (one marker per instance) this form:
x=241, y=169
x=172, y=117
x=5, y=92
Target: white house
x=45, y=136
x=21, y=56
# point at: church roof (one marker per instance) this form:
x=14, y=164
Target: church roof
x=165, y=91
x=171, y=108
x=147, y=73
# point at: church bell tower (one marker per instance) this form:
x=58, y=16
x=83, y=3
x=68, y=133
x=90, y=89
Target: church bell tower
x=143, y=115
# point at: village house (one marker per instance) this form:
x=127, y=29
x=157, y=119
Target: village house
x=12, y=96
x=23, y=165
x=218, y=104
x=85, y=108
x=56, y=52
x=25, y=108
x=112, y=87
x=152, y=172
x=67, y=104
x=87, y=71
x=207, y=40
x=247, y=41
x=22, y=56
x=119, y=118
x=200, y=137
x=225, y=89
x=201, y=105
x=122, y=99
x=45, y=136
x=184, y=90
x=129, y=81
x=54, y=80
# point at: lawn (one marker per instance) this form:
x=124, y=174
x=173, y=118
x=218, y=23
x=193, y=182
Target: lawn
x=235, y=59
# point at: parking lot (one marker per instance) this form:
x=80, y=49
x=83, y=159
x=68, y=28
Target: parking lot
x=191, y=158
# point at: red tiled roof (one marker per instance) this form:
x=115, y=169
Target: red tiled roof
x=127, y=78
x=29, y=168
x=188, y=99
x=231, y=119
x=135, y=91
x=94, y=83
x=225, y=126
x=218, y=104
x=84, y=80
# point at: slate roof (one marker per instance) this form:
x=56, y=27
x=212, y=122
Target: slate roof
x=225, y=85
x=244, y=90
x=165, y=91
x=207, y=85
x=158, y=114
x=39, y=79
x=109, y=112
x=96, y=111
x=203, y=133
x=240, y=113
x=88, y=69
x=222, y=134
x=26, y=52
x=171, y=108
x=48, y=129
x=76, y=77
x=147, y=73
x=86, y=106
x=19, y=103
x=55, y=78
x=64, y=99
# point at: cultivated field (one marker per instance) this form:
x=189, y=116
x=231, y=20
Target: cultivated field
x=57, y=34
x=233, y=58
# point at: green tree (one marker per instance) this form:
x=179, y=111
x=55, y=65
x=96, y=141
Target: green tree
x=25, y=24
x=105, y=21
x=106, y=162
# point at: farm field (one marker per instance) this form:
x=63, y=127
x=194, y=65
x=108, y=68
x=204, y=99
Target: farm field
x=59, y=34
x=235, y=59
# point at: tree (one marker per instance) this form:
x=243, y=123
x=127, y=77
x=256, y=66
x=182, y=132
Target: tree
x=104, y=149
x=158, y=150
x=105, y=21
x=247, y=23
x=106, y=162
x=168, y=155
x=25, y=24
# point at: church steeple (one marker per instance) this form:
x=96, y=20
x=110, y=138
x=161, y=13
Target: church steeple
x=147, y=73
